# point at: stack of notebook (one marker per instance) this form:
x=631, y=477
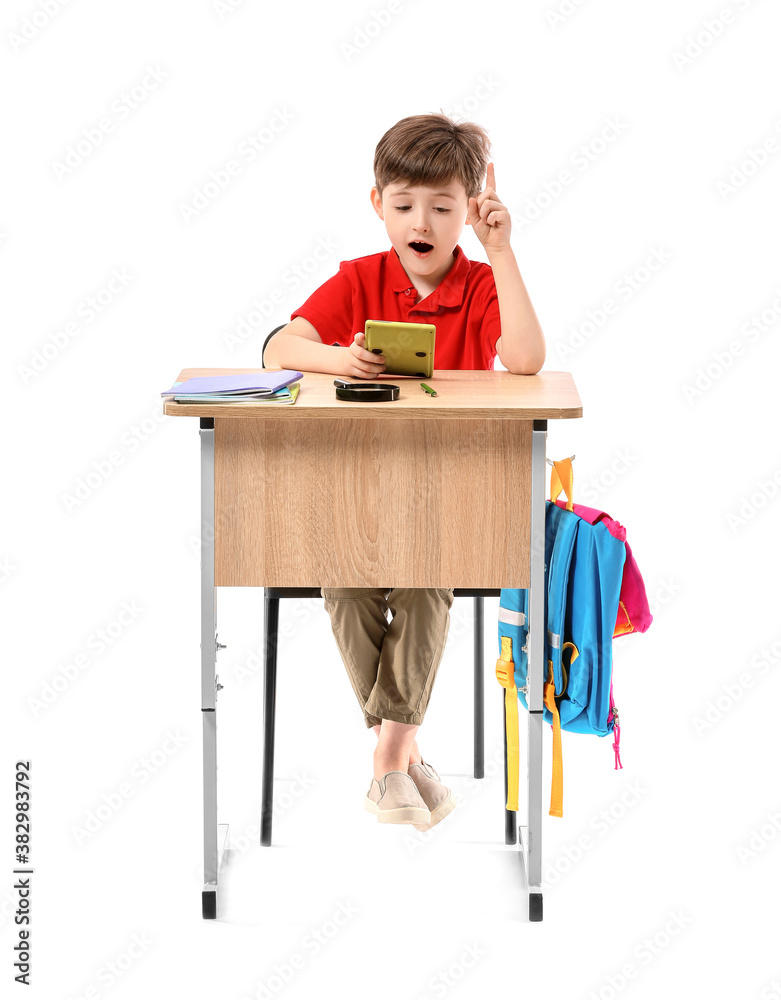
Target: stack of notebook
x=253, y=387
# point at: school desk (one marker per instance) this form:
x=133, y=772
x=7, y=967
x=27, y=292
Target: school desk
x=422, y=491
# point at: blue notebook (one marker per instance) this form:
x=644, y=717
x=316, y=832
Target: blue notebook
x=287, y=394
x=260, y=383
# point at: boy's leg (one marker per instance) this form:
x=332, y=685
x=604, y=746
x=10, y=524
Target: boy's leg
x=394, y=747
x=397, y=675
x=414, y=753
x=409, y=659
x=359, y=623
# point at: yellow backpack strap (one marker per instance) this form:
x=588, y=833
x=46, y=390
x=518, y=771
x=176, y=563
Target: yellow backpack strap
x=505, y=674
x=557, y=776
x=549, y=698
x=561, y=478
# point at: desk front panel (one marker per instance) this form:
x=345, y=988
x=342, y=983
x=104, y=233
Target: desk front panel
x=372, y=503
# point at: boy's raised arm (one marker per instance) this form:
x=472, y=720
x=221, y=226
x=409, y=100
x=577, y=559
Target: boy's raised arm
x=521, y=346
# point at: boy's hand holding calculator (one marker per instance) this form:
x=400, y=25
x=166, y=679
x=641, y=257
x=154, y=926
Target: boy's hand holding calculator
x=393, y=348
x=361, y=363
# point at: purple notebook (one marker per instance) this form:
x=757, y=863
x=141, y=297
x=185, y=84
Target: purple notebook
x=228, y=385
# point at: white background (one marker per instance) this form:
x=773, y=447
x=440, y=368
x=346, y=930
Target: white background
x=101, y=503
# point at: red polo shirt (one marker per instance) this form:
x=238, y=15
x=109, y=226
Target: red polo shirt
x=463, y=307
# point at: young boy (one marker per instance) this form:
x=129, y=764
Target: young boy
x=428, y=174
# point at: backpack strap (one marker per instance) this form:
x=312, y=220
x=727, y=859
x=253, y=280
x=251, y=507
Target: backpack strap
x=557, y=776
x=561, y=479
x=549, y=699
x=505, y=674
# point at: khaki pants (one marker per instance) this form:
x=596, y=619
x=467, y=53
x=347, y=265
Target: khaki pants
x=391, y=665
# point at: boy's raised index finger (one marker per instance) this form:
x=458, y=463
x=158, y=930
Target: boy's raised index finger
x=490, y=178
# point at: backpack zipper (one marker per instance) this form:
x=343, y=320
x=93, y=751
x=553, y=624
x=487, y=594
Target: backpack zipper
x=616, y=729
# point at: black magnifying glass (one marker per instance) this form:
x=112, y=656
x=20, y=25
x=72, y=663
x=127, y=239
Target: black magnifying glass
x=365, y=392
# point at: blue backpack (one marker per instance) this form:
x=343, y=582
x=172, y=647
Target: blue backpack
x=593, y=591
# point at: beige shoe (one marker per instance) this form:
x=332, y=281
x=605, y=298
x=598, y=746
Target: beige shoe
x=395, y=799
x=438, y=797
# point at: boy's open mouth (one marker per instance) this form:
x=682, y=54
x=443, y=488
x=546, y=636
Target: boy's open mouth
x=420, y=248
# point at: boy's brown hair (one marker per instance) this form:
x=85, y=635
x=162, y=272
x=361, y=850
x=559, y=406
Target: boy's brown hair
x=432, y=149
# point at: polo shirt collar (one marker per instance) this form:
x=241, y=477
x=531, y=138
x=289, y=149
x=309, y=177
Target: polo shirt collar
x=449, y=292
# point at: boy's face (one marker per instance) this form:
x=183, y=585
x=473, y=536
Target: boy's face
x=423, y=215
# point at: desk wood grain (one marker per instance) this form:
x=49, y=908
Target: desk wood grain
x=372, y=503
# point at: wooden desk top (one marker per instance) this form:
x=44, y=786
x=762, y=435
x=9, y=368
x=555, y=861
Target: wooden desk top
x=461, y=394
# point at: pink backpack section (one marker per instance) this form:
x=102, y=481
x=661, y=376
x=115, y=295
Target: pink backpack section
x=634, y=614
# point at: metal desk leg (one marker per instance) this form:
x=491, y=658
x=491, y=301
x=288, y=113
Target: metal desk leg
x=271, y=628
x=479, y=695
x=532, y=849
x=215, y=837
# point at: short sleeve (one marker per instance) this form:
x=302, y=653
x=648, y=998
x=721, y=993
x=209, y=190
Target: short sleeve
x=330, y=309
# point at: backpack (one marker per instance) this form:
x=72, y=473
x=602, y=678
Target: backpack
x=593, y=592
